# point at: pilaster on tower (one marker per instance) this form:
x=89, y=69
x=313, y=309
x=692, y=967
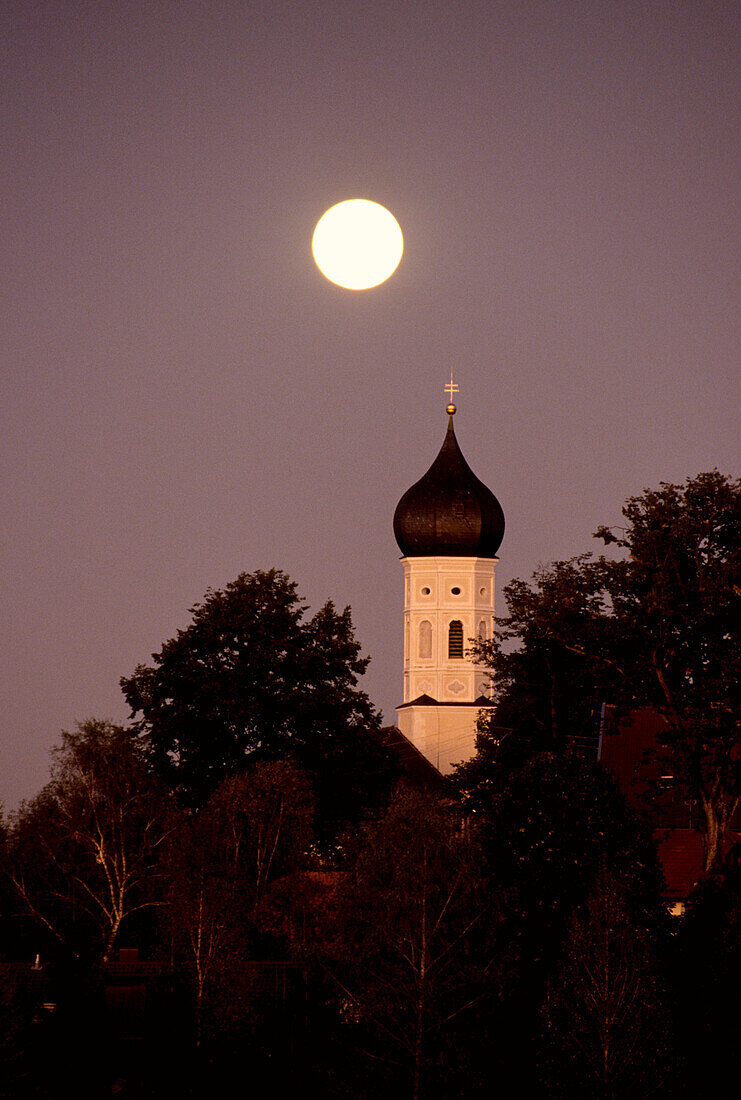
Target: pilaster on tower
x=449, y=526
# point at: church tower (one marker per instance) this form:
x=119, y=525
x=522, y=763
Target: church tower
x=449, y=526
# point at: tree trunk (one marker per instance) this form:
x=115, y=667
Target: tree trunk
x=112, y=934
x=713, y=834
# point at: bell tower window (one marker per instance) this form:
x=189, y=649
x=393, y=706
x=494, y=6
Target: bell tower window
x=455, y=639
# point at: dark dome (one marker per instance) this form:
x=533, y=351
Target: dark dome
x=449, y=511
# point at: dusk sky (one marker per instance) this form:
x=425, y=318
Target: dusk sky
x=185, y=397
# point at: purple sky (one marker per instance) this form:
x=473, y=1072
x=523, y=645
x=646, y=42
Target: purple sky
x=184, y=396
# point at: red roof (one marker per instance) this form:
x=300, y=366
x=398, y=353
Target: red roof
x=628, y=751
x=681, y=855
x=631, y=751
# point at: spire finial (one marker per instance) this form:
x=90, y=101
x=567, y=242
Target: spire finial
x=450, y=389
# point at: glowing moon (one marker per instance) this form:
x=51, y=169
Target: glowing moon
x=357, y=244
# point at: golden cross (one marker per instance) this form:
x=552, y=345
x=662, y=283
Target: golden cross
x=451, y=388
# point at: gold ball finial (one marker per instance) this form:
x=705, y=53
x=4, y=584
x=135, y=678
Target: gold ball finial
x=451, y=389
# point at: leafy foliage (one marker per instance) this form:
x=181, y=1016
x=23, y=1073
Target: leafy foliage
x=251, y=679
x=549, y=831
x=677, y=602
x=548, y=687
x=548, y=828
x=658, y=628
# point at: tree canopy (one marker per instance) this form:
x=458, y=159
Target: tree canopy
x=549, y=686
x=677, y=605
x=657, y=627
x=549, y=828
x=253, y=679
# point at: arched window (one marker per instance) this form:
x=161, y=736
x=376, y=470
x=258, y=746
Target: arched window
x=455, y=639
x=482, y=630
x=425, y=640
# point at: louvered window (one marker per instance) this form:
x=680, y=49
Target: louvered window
x=455, y=639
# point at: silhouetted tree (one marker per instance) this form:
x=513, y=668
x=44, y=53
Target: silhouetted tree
x=706, y=971
x=549, y=686
x=547, y=829
x=251, y=679
x=606, y=1026
x=677, y=605
x=550, y=826
x=659, y=628
x=416, y=944
x=85, y=852
x=254, y=828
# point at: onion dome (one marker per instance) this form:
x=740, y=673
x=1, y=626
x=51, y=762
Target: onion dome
x=449, y=512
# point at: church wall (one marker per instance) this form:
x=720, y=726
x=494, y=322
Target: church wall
x=446, y=735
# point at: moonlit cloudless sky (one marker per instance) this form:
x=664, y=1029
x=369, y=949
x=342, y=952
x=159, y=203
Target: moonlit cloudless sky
x=184, y=397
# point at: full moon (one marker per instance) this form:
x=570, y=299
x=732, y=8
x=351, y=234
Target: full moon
x=357, y=244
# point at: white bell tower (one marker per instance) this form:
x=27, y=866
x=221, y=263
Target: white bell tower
x=448, y=526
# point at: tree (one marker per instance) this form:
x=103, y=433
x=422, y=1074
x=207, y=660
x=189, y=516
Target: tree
x=605, y=1023
x=677, y=608
x=415, y=955
x=548, y=688
x=254, y=828
x=706, y=976
x=548, y=829
x=84, y=853
x=658, y=628
x=252, y=679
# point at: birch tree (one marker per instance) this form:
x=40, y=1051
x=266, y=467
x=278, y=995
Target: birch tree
x=255, y=828
x=416, y=940
x=84, y=853
x=605, y=1023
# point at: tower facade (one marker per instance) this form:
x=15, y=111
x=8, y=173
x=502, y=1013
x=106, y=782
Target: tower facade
x=449, y=526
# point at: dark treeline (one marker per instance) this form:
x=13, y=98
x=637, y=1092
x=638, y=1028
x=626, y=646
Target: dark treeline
x=305, y=916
